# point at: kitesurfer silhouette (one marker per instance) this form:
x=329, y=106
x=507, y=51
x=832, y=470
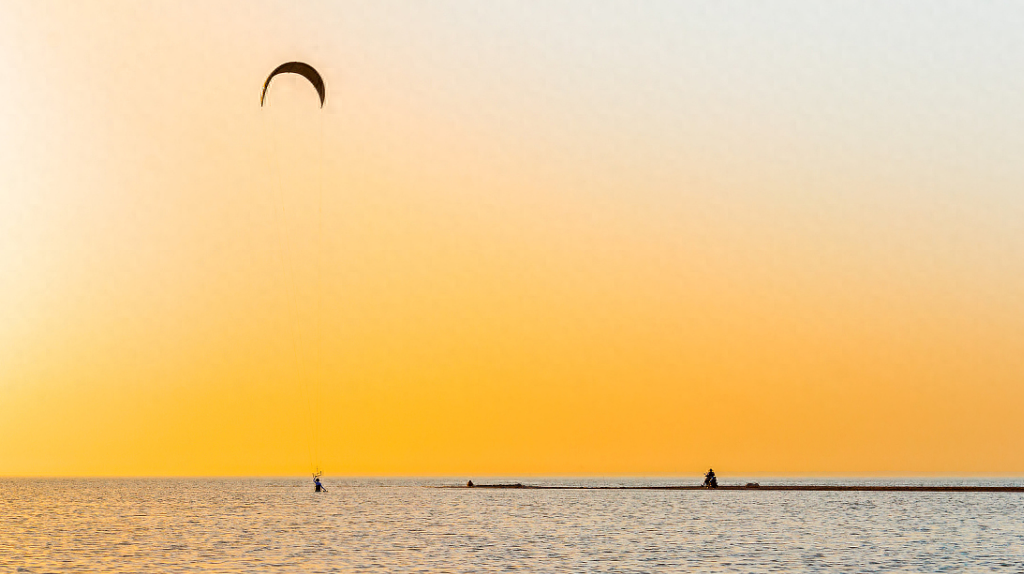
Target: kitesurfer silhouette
x=317, y=486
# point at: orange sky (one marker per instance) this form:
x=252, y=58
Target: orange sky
x=574, y=239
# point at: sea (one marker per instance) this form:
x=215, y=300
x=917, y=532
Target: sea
x=417, y=525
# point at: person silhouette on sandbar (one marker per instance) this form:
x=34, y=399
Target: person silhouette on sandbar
x=710, y=480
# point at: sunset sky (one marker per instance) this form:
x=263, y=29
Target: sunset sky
x=564, y=238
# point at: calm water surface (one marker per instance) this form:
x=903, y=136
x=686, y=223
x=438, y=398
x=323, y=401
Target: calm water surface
x=280, y=525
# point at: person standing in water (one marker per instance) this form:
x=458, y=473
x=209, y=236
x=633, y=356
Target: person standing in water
x=317, y=486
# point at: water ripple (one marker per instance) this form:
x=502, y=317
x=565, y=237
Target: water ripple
x=239, y=525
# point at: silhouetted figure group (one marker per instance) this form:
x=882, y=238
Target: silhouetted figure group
x=710, y=480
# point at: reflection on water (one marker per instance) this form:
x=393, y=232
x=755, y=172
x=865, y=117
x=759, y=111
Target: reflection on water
x=262, y=525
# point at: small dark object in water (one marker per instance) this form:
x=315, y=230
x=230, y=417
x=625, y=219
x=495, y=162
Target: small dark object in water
x=753, y=485
x=469, y=484
x=710, y=480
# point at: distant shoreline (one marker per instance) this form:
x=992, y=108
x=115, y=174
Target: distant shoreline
x=770, y=487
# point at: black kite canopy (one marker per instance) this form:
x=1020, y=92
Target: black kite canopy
x=302, y=69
